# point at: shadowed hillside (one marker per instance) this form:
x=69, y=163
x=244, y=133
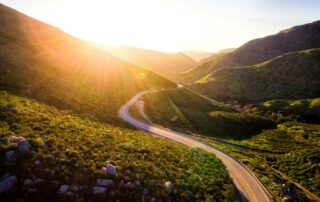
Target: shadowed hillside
x=259, y=50
x=291, y=76
x=42, y=62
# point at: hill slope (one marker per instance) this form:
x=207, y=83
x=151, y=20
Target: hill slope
x=187, y=111
x=165, y=64
x=259, y=50
x=63, y=149
x=42, y=62
x=291, y=76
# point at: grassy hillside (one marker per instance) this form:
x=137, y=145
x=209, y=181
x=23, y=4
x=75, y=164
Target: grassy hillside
x=307, y=110
x=291, y=76
x=187, y=111
x=68, y=150
x=165, y=64
x=42, y=62
x=289, y=163
x=259, y=50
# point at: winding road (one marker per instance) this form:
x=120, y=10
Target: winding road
x=247, y=183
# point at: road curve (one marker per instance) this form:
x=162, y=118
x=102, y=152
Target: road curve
x=247, y=183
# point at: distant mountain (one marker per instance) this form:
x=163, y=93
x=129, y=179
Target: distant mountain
x=42, y=62
x=197, y=55
x=164, y=64
x=290, y=76
x=259, y=50
x=227, y=50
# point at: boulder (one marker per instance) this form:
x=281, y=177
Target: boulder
x=8, y=183
x=37, y=162
x=27, y=182
x=63, y=189
x=168, y=186
x=24, y=145
x=9, y=155
x=99, y=189
x=104, y=182
x=137, y=183
x=111, y=169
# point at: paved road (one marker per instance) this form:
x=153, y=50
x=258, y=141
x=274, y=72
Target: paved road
x=246, y=182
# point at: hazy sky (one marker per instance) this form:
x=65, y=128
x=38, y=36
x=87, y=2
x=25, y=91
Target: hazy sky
x=171, y=25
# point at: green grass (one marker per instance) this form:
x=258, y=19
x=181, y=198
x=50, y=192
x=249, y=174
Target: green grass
x=291, y=76
x=290, y=158
x=303, y=110
x=83, y=145
x=187, y=111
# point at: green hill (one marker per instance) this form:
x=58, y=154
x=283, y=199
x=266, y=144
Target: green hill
x=63, y=149
x=42, y=62
x=291, y=76
x=303, y=110
x=165, y=64
x=297, y=38
x=187, y=111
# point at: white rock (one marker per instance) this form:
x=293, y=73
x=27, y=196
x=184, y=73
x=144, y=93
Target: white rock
x=99, y=190
x=8, y=183
x=111, y=169
x=27, y=182
x=9, y=155
x=104, y=169
x=37, y=162
x=168, y=186
x=104, y=182
x=63, y=189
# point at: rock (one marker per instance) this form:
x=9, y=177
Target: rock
x=121, y=183
x=168, y=186
x=104, y=182
x=137, y=183
x=24, y=145
x=99, y=189
x=75, y=187
x=5, y=176
x=9, y=155
x=8, y=183
x=63, y=167
x=32, y=190
x=52, y=172
x=63, y=189
x=130, y=185
x=69, y=193
x=37, y=162
x=111, y=169
x=38, y=181
x=153, y=199
x=104, y=169
x=27, y=182
x=145, y=191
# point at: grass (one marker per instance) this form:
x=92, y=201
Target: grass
x=291, y=76
x=306, y=110
x=290, y=159
x=187, y=111
x=83, y=146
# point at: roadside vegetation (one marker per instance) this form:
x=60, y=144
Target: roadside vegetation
x=64, y=149
x=185, y=110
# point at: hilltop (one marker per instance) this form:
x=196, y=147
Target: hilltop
x=165, y=64
x=42, y=62
x=291, y=76
x=297, y=38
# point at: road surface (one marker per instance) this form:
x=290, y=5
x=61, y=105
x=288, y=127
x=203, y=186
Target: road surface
x=247, y=183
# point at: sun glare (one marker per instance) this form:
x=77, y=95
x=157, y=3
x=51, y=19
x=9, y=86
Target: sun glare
x=113, y=23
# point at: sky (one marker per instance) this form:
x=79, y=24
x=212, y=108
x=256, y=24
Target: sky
x=171, y=25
